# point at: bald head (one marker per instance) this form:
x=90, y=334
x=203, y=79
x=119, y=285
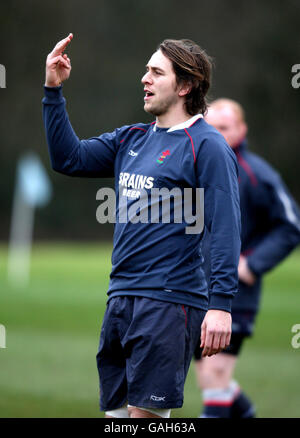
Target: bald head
x=228, y=117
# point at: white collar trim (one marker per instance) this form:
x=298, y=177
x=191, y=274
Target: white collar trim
x=183, y=125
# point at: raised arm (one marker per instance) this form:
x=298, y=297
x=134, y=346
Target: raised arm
x=93, y=157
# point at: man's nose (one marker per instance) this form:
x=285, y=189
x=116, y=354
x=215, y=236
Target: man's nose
x=146, y=78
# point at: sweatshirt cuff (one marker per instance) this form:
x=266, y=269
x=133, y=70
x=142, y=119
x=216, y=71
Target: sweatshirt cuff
x=220, y=302
x=53, y=94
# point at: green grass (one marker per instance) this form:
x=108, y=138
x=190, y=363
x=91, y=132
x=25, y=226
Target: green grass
x=49, y=368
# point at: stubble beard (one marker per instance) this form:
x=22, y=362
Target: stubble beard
x=161, y=108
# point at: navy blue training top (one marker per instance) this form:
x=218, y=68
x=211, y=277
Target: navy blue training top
x=159, y=260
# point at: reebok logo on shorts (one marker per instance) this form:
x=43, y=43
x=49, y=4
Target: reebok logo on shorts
x=155, y=398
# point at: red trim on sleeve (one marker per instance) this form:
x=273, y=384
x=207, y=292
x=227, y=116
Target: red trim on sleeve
x=192, y=145
x=246, y=168
x=247, y=252
x=136, y=127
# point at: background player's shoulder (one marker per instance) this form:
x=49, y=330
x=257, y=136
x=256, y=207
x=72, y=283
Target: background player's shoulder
x=263, y=170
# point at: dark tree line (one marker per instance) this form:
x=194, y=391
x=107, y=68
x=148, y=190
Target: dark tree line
x=254, y=46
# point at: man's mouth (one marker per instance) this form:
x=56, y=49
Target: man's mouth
x=148, y=95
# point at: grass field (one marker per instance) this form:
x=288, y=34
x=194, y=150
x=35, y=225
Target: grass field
x=52, y=328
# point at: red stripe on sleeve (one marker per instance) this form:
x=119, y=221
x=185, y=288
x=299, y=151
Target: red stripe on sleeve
x=247, y=168
x=136, y=127
x=192, y=145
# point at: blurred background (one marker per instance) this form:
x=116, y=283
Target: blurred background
x=53, y=320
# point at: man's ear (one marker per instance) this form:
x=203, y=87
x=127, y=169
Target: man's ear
x=185, y=89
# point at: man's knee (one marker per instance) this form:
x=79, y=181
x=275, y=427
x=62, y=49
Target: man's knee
x=135, y=412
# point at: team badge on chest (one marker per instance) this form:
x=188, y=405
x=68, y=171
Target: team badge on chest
x=163, y=156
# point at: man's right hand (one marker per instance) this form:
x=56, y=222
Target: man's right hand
x=58, y=65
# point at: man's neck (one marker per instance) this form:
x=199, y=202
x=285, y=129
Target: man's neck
x=171, y=119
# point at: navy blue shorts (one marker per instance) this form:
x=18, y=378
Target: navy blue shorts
x=145, y=350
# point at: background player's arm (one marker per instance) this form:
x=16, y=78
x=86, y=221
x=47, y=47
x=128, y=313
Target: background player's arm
x=282, y=215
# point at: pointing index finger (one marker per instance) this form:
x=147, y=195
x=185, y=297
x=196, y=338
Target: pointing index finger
x=61, y=45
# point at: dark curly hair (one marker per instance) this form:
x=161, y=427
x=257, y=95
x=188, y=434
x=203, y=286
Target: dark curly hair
x=192, y=66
